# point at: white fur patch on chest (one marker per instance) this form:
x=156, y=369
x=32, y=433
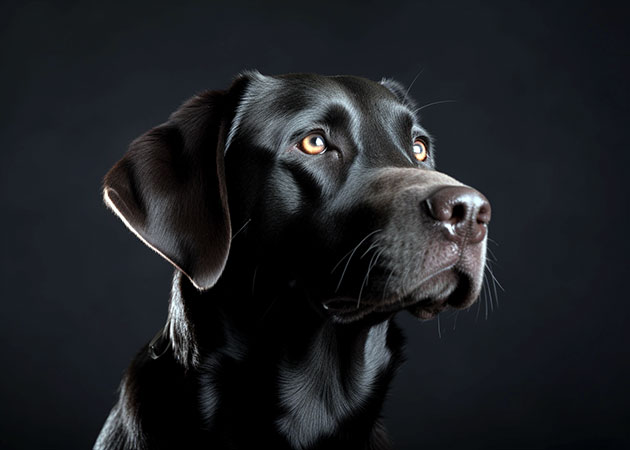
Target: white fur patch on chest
x=313, y=394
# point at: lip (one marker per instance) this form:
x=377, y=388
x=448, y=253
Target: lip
x=456, y=297
x=425, y=311
x=428, y=298
x=348, y=309
x=341, y=305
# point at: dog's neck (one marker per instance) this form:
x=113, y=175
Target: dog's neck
x=324, y=373
x=335, y=368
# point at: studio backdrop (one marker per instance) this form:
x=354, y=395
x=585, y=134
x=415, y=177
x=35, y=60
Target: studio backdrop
x=527, y=102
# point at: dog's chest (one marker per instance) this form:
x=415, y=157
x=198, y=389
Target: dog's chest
x=329, y=385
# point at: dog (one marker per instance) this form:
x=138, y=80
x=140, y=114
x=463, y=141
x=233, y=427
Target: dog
x=301, y=212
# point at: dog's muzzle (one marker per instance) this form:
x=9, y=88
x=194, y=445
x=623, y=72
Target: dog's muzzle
x=431, y=251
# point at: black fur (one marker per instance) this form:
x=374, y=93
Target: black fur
x=289, y=266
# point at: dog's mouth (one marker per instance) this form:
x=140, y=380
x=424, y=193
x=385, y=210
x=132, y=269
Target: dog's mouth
x=454, y=289
x=449, y=287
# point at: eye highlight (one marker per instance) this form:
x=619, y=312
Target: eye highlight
x=313, y=144
x=420, y=151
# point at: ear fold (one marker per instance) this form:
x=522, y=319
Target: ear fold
x=169, y=188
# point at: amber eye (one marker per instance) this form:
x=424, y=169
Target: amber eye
x=313, y=144
x=420, y=150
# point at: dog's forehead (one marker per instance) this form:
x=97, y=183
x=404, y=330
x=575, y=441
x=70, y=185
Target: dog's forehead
x=313, y=89
x=274, y=107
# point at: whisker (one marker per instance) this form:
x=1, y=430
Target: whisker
x=496, y=294
x=405, y=278
x=489, y=294
x=485, y=301
x=495, y=259
x=494, y=286
x=413, y=81
x=240, y=229
x=455, y=321
x=494, y=278
x=254, y=279
x=352, y=251
x=350, y=258
x=373, y=261
x=417, y=110
x=269, y=308
x=487, y=284
x=493, y=241
x=439, y=328
x=391, y=272
x=376, y=243
x=478, y=307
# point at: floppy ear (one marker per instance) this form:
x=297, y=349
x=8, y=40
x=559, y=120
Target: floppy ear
x=169, y=188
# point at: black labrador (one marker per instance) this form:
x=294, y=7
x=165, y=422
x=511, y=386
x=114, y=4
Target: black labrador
x=301, y=213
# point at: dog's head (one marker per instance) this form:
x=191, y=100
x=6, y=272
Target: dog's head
x=325, y=183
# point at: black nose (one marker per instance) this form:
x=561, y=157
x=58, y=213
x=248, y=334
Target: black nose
x=463, y=212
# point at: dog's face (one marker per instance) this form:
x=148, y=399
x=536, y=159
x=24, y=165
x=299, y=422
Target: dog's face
x=337, y=178
x=330, y=181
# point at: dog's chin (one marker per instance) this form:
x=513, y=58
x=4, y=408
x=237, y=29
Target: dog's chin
x=449, y=288
x=452, y=288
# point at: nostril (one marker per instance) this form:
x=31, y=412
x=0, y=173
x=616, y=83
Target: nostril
x=450, y=205
x=438, y=209
x=463, y=212
x=458, y=213
x=484, y=214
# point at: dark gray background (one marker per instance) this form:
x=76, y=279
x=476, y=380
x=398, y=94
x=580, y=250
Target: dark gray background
x=539, y=125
